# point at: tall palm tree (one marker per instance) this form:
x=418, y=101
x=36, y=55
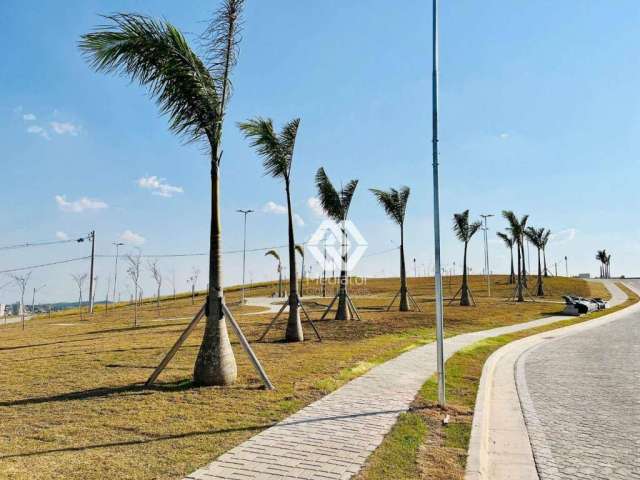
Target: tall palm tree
x=608, y=266
x=300, y=250
x=536, y=237
x=394, y=203
x=276, y=150
x=464, y=231
x=275, y=255
x=517, y=227
x=509, y=242
x=194, y=94
x=601, y=256
x=336, y=206
x=545, y=240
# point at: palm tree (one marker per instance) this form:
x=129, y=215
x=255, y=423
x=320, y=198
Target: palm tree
x=509, y=242
x=536, y=237
x=608, y=266
x=604, y=259
x=517, y=227
x=336, y=206
x=464, y=231
x=394, y=203
x=300, y=250
x=276, y=151
x=194, y=94
x=275, y=255
x=545, y=240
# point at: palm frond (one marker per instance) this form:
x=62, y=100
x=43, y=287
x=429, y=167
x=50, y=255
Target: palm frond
x=156, y=55
x=264, y=139
x=273, y=254
x=221, y=40
x=508, y=241
x=461, y=225
x=346, y=195
x=288, y=141
x=300, y=250
x=394, y=202
x=328, y=196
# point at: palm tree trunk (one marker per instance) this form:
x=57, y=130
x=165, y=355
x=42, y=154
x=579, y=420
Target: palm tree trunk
x=540, y=291
x=544, y=256
x=520, y=293
x=464, y=293
x=302, y=277
x=404, y=303
x=279, y=279
x=215, y=364
x=343, y=312
x=512, y=276
x=294, y=325
x=524, y=264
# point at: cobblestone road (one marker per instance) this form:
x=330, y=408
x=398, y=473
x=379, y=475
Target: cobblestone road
x=582, y=407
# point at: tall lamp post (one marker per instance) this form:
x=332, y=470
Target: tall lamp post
x=115, y=273
x=436, y=216
x=244, y=247
x=486, y=252
x=33, y=299
x=566, y=265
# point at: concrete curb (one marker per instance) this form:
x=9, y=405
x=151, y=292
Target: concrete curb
x=500, y=448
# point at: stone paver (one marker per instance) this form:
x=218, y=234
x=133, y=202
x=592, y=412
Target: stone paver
x=581, y=400
x=332, y=438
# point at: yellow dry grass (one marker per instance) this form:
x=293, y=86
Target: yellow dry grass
x=73, y=403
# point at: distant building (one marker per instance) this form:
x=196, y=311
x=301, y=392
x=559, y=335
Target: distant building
x=584, y=275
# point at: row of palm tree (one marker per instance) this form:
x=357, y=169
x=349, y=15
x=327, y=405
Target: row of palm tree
x=514, y=237
x=605, y=263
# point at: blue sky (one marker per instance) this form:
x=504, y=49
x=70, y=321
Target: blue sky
x=539, y=114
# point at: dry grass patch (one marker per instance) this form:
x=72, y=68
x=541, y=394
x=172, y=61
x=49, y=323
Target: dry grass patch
x=73, y=403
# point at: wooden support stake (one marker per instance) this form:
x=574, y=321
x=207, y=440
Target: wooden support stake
x=247, y=348
x=170, y=354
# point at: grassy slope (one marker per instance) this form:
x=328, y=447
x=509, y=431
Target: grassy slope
x=419, y=447
x=73, y=404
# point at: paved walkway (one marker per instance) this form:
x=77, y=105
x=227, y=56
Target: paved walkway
x=332, y=438
x=581, y=401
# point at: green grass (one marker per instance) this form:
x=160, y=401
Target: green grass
x=442, y=455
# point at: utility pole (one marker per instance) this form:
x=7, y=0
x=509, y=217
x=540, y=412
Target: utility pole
x=33, y=299
x=115, y=274
x=566, y=265
x=244, y=247
x=92, y=237
x=556, y=266
x=436, y=217
x=324, y=268
x=486, y=252
x=415, y=268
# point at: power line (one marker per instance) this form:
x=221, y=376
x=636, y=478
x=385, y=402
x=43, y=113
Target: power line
x=33, y=267
x=198, y=254
x=41, y=244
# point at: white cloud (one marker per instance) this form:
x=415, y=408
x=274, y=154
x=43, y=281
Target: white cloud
x=273, y=207
x=80, y=205
x=132, y=238
x=158, y=186
x=563, y=236
x=28, y=117
x=64, y=128
x=314, y=204
x=62, y=236
x=38, y=130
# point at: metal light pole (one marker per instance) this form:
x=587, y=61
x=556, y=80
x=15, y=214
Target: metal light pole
x=92, y=236
x=415, y=268
x=436, y=216
x=33, y=299
x=115, y=275
x=566, y=265
x=486, y=252
x=244, y=247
